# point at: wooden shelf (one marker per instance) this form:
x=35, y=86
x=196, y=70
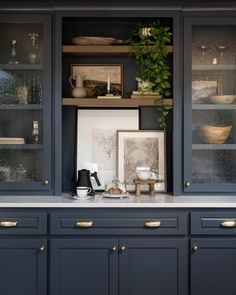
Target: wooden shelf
x=214, y=107
x=123, y=102
x=108, y=50
x=231, y=67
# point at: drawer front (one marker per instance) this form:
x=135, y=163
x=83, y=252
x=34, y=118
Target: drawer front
x=213, y=223
x=23, y=223
x=80, y=223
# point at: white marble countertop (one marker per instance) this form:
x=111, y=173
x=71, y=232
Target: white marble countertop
x=144, y=201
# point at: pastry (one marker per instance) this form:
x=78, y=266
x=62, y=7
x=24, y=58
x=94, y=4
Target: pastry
x=114, y=191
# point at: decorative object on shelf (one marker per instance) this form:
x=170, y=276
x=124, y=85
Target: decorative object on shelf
x=203, y=49
x=148, y=46
x=221, y=50
x=12, y=140
x=35, y=132
x=214, y=134
x=13, y=60
x=90, y=40
x=116, y=189
x=96, y=139
x=96, y=78
x=147, y=182
x=22, y=94
x=143, y=173
x=202, y=89
x=33, y=55
x=222, y=99
x=78, y=90
x=141, y=148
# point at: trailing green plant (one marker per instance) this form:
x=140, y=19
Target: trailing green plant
x=148, y=46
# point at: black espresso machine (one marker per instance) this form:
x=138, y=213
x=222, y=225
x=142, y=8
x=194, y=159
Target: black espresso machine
x=84, y=176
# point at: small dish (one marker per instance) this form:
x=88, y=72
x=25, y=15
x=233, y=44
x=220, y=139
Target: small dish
x=115, y=196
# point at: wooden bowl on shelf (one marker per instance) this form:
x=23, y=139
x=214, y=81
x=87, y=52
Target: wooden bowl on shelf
x=214, y=134
x=90, y=40
x=222, y=99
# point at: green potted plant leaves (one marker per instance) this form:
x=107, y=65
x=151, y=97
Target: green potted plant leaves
x=148, y=47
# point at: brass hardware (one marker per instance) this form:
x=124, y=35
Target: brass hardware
x=187, y=183
x=42, y=248
x=45, y=182
x=114, y=248
x=228, y=223
x=122, y=248
x=84, y=224
x=12, y=223
x=195, y=248
x=152, y=224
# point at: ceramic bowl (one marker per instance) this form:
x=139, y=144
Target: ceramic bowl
x=214, y=134
x=222, y=99
x=143, y=174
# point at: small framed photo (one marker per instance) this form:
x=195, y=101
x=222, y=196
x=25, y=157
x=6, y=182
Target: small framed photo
x=97, y=76
x=203, y=88
x=141, y=148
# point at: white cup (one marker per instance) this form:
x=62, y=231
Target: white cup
x=83, y=191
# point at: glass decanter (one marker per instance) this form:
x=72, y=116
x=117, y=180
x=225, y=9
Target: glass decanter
x=13, y=60
x=34, y=49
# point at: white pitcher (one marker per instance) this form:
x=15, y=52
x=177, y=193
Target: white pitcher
x=78, y=90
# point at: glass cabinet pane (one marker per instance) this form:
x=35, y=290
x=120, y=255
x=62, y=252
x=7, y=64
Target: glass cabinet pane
x=213, y=104
x=23, y=108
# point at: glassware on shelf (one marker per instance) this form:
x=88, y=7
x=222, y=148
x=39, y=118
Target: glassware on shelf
x=203, y=49
x=13, y=60
x=221, y=50
x=34, y=49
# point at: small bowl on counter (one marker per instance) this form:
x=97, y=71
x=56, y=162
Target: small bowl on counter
x=214, y=134
x=222, y=99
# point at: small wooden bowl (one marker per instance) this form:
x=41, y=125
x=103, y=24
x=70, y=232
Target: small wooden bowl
x=214, y=134
x=222, y=99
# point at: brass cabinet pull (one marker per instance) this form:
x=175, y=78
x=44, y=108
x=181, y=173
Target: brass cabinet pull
x=122, y=248
x=42, y=248
x=228, y=223
x=187, y=183
x=6, y=223
x=195, y=248
x=45, y=182
x=84, y=224
x=114, y=248
x=152, y=224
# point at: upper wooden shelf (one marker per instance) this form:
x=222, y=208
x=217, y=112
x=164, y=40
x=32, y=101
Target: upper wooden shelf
x=123, y=102
x=108, y=50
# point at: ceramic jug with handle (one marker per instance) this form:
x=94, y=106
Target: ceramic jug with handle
x=78, y=90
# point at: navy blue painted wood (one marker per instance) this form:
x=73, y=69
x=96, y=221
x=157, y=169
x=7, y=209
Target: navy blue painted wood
x=153, y=266
x=84, y=266
x=210, y=223
x=213, y=267
x=115, y=222
x=23, y=267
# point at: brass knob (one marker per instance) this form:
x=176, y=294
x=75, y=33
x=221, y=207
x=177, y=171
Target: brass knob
x=122, y=248
x=42, y=248
x=114, y=248
x=195, y=248
x=45, y=182
x=187, y=183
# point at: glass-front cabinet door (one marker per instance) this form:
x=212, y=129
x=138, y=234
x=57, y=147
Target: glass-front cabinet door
x=25, y=102
x=210, y=104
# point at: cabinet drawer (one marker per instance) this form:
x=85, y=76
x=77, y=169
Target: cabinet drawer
x=214, y=223
x=80, y=223
x=23, y=223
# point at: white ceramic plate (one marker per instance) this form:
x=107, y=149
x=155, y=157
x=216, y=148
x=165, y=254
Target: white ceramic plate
x=118, y=196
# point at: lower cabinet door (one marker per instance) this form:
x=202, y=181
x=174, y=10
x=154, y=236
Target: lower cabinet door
x=23, y=267
x=153, y=266
x=84, y=266
x=213, y=266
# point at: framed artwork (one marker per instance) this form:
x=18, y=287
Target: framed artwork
x=97, y=141
x=203, y=88
x=96, y=76
x=141, y=148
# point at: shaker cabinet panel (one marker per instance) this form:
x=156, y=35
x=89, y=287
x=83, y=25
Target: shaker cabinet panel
x=209, y=104
x=213, y=266
x=84, y=266
x=23, y=267
x=153, y=266
x=25, y=102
